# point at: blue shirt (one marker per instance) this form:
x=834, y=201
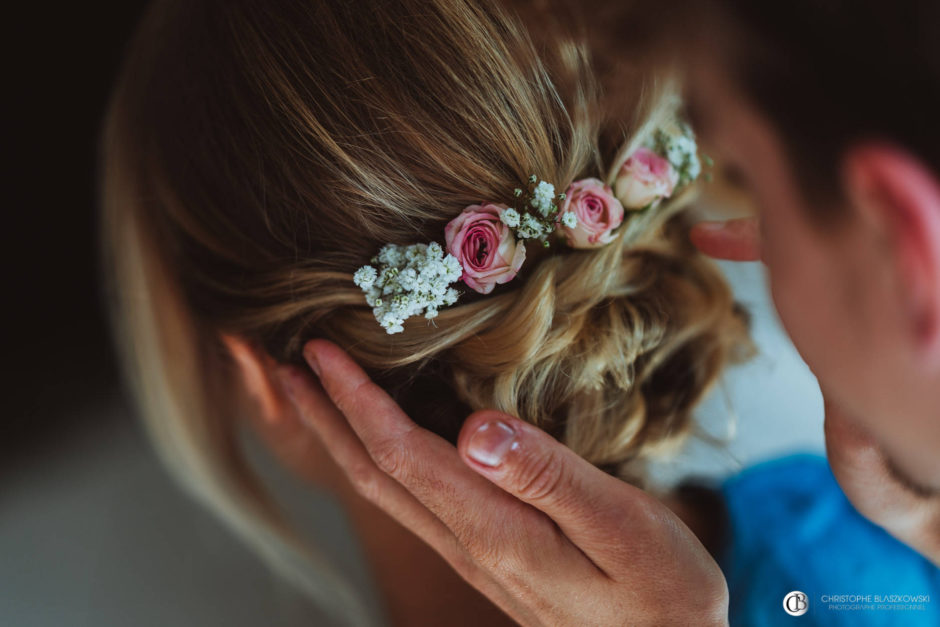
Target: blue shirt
x=793, y=530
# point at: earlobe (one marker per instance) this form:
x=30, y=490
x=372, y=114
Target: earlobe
x=256, y=370
x=894, y=190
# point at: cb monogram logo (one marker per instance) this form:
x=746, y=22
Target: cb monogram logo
x=796, y=603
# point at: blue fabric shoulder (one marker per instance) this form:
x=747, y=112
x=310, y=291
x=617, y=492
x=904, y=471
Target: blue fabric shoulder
x=793, y=529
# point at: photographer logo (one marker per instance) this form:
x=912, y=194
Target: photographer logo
x=796, y=603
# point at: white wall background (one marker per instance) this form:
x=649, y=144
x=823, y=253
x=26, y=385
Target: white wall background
x=770, y=406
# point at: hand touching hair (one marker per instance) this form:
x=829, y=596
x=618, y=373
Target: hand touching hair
x=258, y=153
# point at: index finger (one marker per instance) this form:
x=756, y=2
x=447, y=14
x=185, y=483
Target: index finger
x=541, y=501
x=492, y=524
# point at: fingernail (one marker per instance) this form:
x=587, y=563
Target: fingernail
x=312, y=361
x=491, y=442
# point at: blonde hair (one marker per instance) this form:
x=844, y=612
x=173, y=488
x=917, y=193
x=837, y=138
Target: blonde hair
x=257, y=153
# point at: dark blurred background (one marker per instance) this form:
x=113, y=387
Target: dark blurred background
x=57, y=353
x=92, y=529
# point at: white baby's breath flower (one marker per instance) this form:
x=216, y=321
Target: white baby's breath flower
x=413, y=280
x=373, y=298
x=530, y=227
x=411, y=253
x=674, y=153
x=388, y=279
x=452, y=269
x=365, y=277
x=693, y=167
x=569, y=219
x=677, y=145
x=542, y=197
x=407, y=278
x=390, y=255
x=685, y=145
x=510, y=217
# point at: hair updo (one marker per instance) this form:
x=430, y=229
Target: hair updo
x=258, y=153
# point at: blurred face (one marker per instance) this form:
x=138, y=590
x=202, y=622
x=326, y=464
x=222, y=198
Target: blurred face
x=840, y=292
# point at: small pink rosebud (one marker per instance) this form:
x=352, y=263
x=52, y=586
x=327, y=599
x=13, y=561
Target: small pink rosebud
x=645, y=178
x=597, y=210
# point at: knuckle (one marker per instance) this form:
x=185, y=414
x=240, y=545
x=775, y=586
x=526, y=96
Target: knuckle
x=472, y=572
x=541, y=478
x=347, y=400
x=365, y=480
x=484, y=552
x=515, y=570
x=506, y=559
x=462, y=562
x=482, y=543
x=389, y=456
x=514, y=567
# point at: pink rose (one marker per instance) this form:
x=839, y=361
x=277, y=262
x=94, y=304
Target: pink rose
x=597, y=211
x=645, y=178
x=485, y=247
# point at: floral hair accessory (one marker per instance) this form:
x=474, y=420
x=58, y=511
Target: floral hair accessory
x=411, y=280
x=535, y=213
x=485, y=246
x=489, y=240
x=596, y=214
x=644, y=178
x=668, y=160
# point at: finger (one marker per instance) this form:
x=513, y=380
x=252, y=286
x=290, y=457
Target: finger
x=732, y=240
x=504, y=535
x=607, y=519
x=318, y=413
x=414, y=457
x=375, y=486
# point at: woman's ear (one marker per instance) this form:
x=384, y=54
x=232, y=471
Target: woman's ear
x=279, y=425
x=257, y=373
x=896, y=193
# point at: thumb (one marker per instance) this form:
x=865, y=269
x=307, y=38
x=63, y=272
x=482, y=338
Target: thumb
x=592, y=508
